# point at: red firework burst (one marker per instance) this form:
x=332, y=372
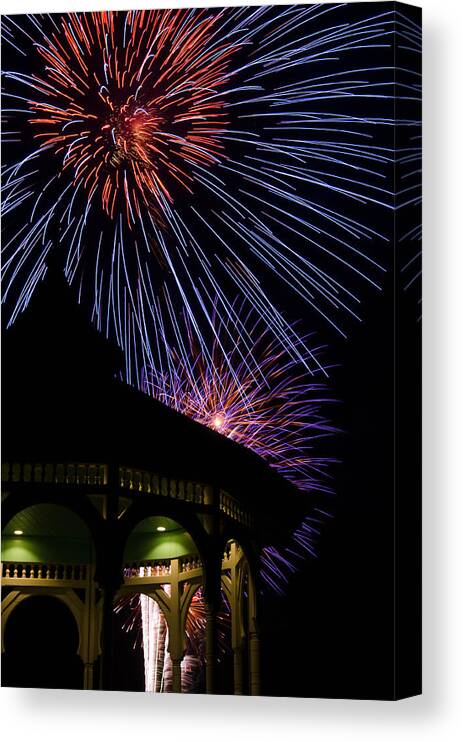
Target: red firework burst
x=131, y=100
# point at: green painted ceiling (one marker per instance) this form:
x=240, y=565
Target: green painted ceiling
x=149, y=525
x=47, y=520
x=52, y=532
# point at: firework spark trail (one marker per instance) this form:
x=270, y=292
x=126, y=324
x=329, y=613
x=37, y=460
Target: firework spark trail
x=190, y=154
x=143, y=617
x=409, y=167
x=124, y=145
x=277, y=411
x=154, y=640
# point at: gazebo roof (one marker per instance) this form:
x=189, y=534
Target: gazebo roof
x=63, y=402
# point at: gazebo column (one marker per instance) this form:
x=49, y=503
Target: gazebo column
x=88, y=676
x=211, y=648
x=238, y=670
x=176, y=674
x=107, y=637
x=176, y=633
x=236, y=618
x=89, y=645
x=109, y=578
x=212, y=570
x=254, y=663
x=254, y=640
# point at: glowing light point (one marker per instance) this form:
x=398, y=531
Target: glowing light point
x=218, y=422
x=18, y=533
x=161, y=529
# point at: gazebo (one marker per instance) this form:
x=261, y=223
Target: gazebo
x=107, y=492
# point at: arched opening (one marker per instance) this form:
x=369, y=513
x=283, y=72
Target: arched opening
x=162, y=571
x=47, y=558
x=238, y=586
x=41, y=641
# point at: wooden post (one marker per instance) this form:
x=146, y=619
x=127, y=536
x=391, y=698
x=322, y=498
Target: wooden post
x=89, y=646
x=176, y=638
x=176, y=674
x=107, y=639
x=254, y=663
x=211, y=648
x=236, y=617
x=254, y=642
x=88, y=676
x=238, y=670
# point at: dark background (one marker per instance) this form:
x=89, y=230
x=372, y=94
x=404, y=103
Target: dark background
x=333, y=634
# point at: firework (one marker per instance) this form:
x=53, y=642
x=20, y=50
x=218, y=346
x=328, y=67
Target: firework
x=143, y=618
x=191, y=154
x=140, y=114
x=276, y=411
x=155, y=641
x=409, y=168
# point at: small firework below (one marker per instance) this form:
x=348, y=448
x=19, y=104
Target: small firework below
x=142, y=617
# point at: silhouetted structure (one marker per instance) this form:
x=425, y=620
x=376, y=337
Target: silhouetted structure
x=108, y=492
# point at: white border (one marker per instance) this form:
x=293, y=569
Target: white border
x=437, y=715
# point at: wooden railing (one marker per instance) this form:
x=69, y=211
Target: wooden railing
x=41, y=571
x=139, y=480
x=151, y=568
x=46, y=473
x=160, y=568
x=133, y=480
x=190, y=563
x=233, y=508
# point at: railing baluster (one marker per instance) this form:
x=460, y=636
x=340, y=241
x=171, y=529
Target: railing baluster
x=39, y=571
x=5, y=472
x=49, y=473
